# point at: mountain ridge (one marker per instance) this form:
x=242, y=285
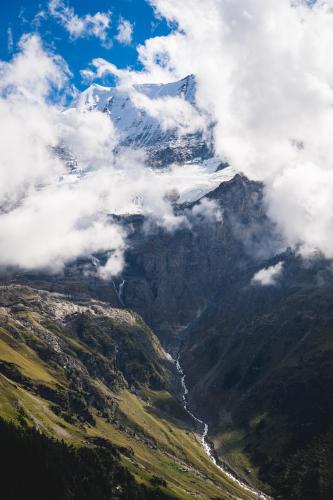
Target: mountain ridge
x=138, y=129
x=255, y=354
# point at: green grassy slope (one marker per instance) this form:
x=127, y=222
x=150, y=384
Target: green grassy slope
x=89, y=374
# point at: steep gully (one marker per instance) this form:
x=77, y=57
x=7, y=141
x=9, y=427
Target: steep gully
x=204, y=441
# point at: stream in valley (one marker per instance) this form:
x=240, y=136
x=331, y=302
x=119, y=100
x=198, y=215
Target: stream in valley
x=204, y=438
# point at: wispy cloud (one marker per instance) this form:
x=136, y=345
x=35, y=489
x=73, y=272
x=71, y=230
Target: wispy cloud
x=125, y=32
x=91, y=25
x=268, y=276
x=10, y=40
x=39, y=18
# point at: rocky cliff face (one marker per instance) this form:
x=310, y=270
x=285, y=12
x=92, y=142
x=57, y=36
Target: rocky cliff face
x=171, y=278
x=259, y=361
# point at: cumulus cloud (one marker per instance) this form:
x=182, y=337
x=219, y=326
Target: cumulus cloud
x=96, y=25
x=265, y=77
x=125, y=32
x=45, y=221
x=54, y=226
x=33, y=73
x=50, y=216
x=27, y=126
x=91, y=137
x=268, y=276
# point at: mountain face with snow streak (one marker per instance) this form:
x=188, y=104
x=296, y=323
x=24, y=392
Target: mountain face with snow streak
x=138, y=129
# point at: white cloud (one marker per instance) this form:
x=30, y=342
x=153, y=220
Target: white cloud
x=96, y=25
x=268, y=276
x=114, y=265
x=171, y=112
x=26, y=121
x=54, y=226
x=125, y=32
x=49, y=217
x=87, y=76
x=45, y=222
x=91, y=137
x=208, y=209
x=33, y=73
x=265, y=76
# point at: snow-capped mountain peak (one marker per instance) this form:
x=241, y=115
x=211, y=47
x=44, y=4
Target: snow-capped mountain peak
x=139, y=129
x=97, y=96
x=94, y=97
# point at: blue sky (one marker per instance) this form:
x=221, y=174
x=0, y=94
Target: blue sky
x=19, y=17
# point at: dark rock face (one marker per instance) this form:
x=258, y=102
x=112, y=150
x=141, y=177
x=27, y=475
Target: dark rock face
x=192, y=146
x=259, y=361
x=258, y=358
x=171, y=278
